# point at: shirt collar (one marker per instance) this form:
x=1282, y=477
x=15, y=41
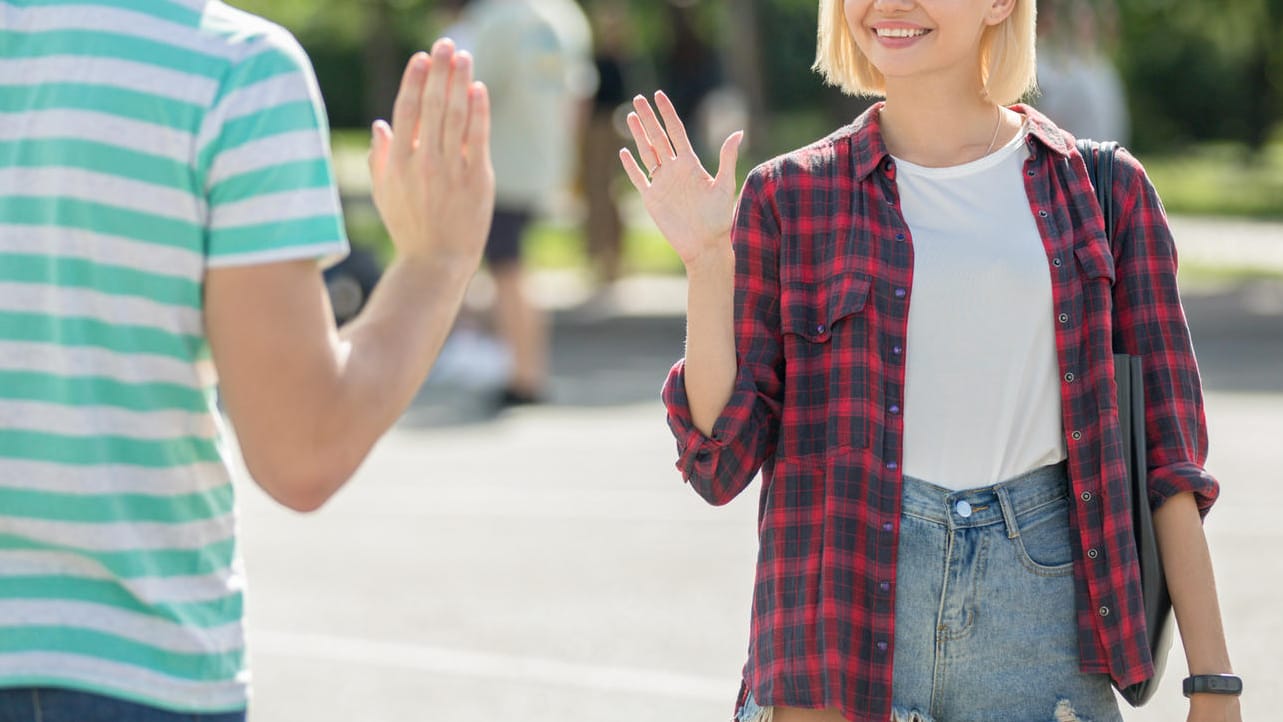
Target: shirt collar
x=870, y=151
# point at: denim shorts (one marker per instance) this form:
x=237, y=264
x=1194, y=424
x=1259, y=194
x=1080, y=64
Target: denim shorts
x=986, y=629
x=50, y=704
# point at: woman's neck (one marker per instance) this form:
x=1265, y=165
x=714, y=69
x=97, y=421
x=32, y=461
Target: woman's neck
x=943, y=125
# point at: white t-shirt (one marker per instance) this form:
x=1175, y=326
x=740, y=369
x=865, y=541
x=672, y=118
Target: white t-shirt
x=535, y=57
x=982, y=395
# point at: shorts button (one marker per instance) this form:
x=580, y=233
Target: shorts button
x=963, y=509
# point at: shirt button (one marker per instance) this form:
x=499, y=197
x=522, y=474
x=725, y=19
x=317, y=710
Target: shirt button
x=1042, y=214
x=819, y=329
x=1086, y=496
x=892, y=465
x=888, y=526
x=1056, y=262
x=900, y=293
x=882, y=646
x=1030, y=173
x=899, y=236
x=1076, y=435
x=1063, y=318
x=1069, y=378
x=884, y=586
x=1103, y=611
x=963, y=509
x=895, y=409
x=888, y=164
x=1092, y=553
x=897, y=350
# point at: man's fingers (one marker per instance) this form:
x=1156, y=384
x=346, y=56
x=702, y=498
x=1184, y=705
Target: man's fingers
x=658, y=138
x=456, y=111
x=728, y=157
x=478, y=123
x=380, y=143
x=673, y=123
x=405, y=112
x=433, y=107
x=644, y=148
x=634, y=171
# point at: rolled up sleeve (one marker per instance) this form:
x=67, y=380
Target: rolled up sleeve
x=1149, y=321
x=722, y=465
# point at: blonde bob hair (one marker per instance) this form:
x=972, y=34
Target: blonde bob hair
x=1007, y=66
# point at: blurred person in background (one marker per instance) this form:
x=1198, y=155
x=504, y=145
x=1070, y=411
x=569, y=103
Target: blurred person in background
x=690, y=67
x=599, y=168
x=166, y=193
x=908, y=326
x=536, y=58
x=1079, y=87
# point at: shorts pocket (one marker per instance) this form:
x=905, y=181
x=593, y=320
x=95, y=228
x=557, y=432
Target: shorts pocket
x=1045, y=542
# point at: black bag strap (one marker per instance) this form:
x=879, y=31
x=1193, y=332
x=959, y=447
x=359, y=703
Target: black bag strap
x=1099, y=157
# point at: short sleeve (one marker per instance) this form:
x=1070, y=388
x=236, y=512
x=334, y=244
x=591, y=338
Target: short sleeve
x=264, y=157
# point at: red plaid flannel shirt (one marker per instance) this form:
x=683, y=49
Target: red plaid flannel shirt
x=823, y=283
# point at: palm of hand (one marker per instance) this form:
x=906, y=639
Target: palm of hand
x=691, y=208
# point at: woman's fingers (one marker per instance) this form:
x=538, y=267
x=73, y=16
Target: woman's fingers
x=673, y=123
x=658, y=138
x=644, y=149
x=634, y=171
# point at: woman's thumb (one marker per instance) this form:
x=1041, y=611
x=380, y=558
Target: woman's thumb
x=728, y=156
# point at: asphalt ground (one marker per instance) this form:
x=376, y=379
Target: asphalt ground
x=548, y=563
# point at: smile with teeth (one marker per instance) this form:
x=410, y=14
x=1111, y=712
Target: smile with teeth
x=901, y=32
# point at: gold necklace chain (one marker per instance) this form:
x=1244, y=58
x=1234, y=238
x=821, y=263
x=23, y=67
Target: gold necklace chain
x=996, y=127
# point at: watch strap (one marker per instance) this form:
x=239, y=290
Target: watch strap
x=1213, y=684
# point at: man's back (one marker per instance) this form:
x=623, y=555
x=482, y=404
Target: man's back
x=142, y=143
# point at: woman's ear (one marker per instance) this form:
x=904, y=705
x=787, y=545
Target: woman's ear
x=1000, y=10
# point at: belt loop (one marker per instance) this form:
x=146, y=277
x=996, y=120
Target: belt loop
x=1008, y=512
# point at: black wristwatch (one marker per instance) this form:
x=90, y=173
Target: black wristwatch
x=1213, y=684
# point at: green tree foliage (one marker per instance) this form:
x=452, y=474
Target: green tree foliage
x=1194, y=70
x=1202, y=70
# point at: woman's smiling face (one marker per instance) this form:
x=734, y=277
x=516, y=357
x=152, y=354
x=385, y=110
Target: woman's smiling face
x=906, y=38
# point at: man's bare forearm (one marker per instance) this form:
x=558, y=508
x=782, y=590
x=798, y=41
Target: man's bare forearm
x=384, y=355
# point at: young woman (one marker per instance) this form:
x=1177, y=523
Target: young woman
x=908, y=326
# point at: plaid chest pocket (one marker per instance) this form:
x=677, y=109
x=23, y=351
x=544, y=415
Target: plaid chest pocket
x=826, y=357
x=1091, y=306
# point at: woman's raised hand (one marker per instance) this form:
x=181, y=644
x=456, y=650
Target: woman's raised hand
x=692, y=209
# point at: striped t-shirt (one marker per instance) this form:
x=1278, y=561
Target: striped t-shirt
x=142, y=142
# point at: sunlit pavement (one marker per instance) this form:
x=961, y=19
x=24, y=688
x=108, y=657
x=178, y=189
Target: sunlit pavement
x=548, y=563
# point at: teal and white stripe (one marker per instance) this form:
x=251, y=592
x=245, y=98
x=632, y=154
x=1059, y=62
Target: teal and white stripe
x=142, y=142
